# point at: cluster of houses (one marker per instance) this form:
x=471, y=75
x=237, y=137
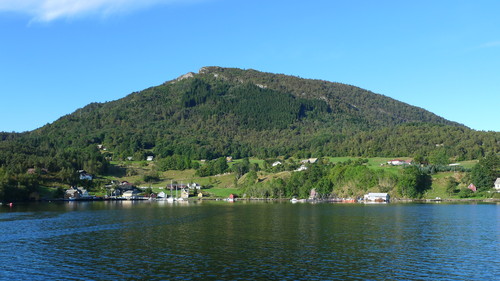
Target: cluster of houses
x=302, y=167
x=126, y=190
x=123, y=190
x=384, y=197
x=304, y=162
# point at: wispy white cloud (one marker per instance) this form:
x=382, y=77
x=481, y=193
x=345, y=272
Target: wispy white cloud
x=49, y=10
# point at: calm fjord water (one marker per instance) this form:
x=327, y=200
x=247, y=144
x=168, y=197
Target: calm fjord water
x=249, y=241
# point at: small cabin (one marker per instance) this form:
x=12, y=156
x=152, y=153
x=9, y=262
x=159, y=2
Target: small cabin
x=130, y=194
x=83, y=175
x=396, y=162
x=301, y=168
x=377, y=197
x=309, y=161
x=185, y=194
x=497, y=185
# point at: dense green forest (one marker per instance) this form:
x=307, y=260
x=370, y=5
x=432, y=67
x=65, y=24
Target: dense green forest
x=221, y=112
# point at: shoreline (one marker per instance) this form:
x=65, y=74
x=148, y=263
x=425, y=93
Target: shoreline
x=334, y=200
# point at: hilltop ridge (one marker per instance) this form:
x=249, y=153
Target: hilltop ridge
x=243, y=113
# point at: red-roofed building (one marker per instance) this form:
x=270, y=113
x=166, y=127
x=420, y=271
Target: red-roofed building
x=472, y=187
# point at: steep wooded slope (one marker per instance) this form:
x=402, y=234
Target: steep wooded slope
x=227, y=111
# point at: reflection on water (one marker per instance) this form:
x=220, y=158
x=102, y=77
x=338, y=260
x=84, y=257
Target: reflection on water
x=246, y=241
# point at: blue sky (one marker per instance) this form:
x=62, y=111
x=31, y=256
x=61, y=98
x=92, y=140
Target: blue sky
x=59, y=55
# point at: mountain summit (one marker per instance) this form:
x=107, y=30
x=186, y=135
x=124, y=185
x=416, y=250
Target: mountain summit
x=227, y=111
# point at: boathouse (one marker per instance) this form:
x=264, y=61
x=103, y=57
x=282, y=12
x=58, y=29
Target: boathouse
x=377, y=197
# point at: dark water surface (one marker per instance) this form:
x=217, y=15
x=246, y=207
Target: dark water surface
x=249, y=241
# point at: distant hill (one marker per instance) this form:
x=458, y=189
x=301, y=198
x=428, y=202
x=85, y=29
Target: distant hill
x=227, y=111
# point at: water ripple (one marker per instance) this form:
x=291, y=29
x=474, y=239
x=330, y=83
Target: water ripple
x=251, y=242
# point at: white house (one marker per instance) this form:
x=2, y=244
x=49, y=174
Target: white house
x=194, y=186
x=301, y=168
x=395, y=162
x=310, y=160
x=149, y=158
x=130, y=194
x=497, y=185
x=185, y=194
x=276, y=163
x=376, y=197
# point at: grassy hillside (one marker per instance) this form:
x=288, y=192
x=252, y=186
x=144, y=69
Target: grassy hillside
x=220, y=186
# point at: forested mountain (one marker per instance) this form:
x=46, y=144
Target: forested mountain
x=226, y=111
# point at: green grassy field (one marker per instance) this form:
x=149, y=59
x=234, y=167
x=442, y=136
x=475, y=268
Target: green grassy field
x=222, y=192
x=259, y=162
x=439, y=181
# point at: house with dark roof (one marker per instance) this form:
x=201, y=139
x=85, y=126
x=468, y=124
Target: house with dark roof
x=83, y=175
x=76, y=193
